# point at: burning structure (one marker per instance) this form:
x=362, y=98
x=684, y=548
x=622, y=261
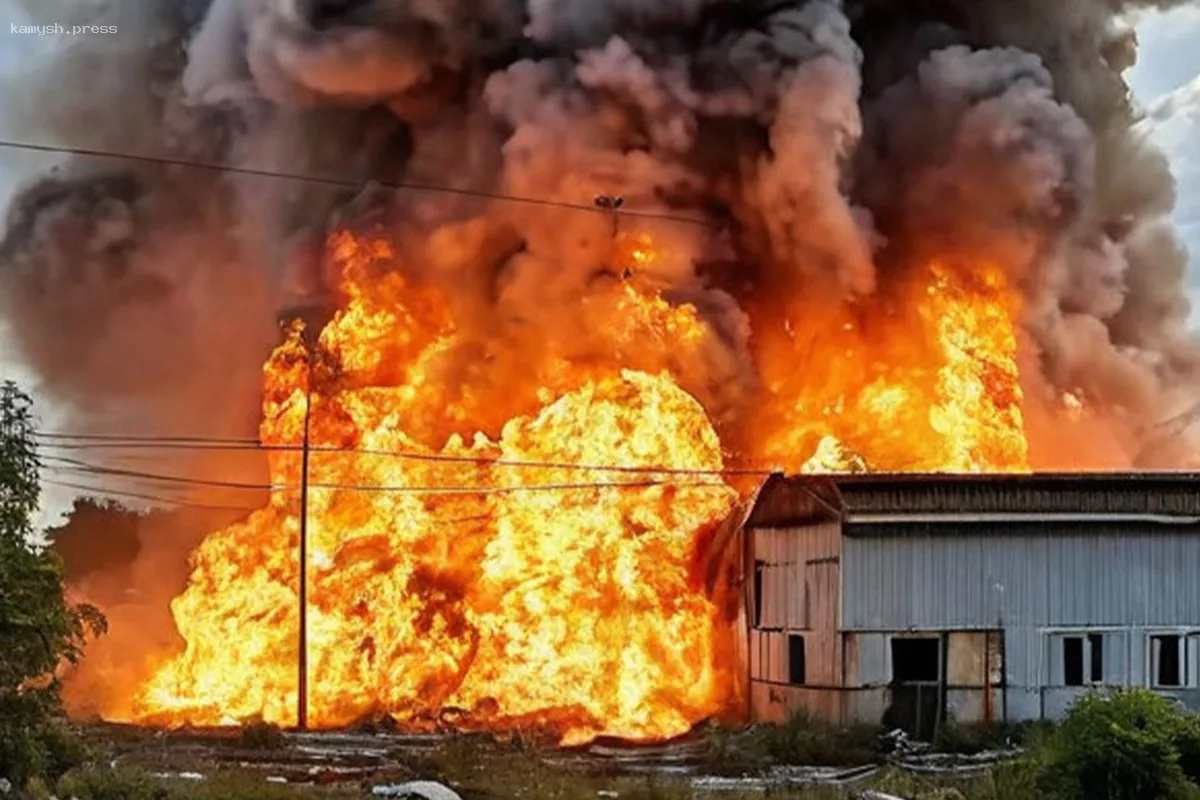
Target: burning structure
x=917, y=599
x=862, y=236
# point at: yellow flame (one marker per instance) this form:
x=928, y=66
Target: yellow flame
x=458, y=585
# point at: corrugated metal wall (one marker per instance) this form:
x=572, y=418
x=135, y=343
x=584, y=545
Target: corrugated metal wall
x=1027, y=585
x=800, y=595
x=893, y=583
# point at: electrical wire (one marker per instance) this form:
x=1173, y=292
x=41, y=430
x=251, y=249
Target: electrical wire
x=96, y=491
x=93, y=469
x=347, y=184
x=122, y=438
x=81, y=467
x=199, y=444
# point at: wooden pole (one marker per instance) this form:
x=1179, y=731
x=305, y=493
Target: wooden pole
x=302, y=684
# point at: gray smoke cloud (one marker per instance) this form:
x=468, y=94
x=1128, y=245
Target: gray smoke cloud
x=823, y=146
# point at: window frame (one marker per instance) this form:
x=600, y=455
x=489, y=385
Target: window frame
x=1089, y=638
x=1188, y=668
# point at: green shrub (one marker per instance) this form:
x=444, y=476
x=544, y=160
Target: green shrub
x=111, y=784
x=1120, y=747
x=1187, y=742
x=34, y=741
x=969, y=739
x=806, y=740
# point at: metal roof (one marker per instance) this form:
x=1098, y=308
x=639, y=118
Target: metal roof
x=932, y=501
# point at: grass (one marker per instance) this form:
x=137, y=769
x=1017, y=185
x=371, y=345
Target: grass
x=128, y=783
x=526, y=768
x=514, y=780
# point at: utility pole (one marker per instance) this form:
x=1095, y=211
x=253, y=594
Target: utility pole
x=302, y=683
x=613, y=203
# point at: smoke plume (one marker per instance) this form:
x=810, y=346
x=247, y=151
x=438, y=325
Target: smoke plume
x=778, y=152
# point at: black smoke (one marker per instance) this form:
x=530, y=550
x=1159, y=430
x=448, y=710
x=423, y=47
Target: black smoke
x=823, y=144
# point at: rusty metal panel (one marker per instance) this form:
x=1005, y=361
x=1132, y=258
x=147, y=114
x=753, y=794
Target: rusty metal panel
x=775, y=579
x=776, y=670
x=800, y=594
x=791, y=502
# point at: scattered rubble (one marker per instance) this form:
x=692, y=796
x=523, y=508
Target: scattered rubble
x=417, y=790
x=393, y=762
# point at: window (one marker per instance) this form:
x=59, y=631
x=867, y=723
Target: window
x=1096, y=662
x=916, y=660
x=1083, y=659
x=1168, y=661
x=1073, y=661
x=796, y=660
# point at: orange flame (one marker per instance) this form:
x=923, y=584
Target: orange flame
x=938, y=391
x=492, y=584
x=546, y=594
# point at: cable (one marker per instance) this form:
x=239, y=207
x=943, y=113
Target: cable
x=114, y=437
x=100, y=492
x=345, y=184
x=91, y=469
x=181, y=443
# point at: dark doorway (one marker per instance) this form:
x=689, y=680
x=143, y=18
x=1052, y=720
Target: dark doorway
x=917, y=686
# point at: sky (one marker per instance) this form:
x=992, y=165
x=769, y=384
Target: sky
x=1166, y=83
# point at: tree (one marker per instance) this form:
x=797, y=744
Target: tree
x=39, y=629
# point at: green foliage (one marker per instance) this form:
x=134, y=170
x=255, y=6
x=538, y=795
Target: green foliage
x=1120, y=747
x=970, y=739
x=730, y=752
x=127, y=783
x=112, y=784
x=39, y=630
x=1187, y=742
x=806, y=740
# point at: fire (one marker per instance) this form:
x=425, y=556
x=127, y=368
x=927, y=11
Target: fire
x=931, y=390
x=547, y=576
x=460, y=578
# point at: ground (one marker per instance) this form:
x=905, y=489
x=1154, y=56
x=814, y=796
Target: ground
x=264, y=764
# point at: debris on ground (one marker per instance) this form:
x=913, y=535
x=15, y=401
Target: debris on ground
x=417, y=790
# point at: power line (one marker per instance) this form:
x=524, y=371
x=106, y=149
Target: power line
x=95, y=491
x=90, y=469
x=116, y=437
x=93, y=469
x=199, y=444
x=346, y=184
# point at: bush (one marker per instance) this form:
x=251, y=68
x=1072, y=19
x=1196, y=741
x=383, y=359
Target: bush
x=970, y=739
x=112, y=784
x=808, y=741
x=1187, y=742
x=1121, y=747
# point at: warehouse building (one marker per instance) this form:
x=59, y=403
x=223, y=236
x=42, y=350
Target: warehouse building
x=910, y=600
